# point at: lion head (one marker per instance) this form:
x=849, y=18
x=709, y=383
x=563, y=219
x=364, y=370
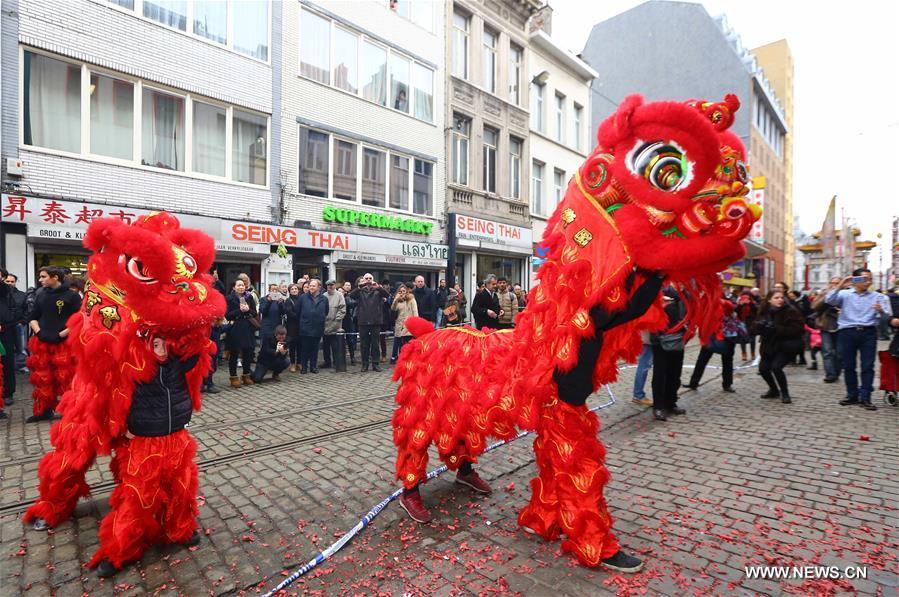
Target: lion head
x=674, y=179
x=155, y=270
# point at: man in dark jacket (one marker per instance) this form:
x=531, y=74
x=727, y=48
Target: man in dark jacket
x=442, y=296
x=485, y=306
x=272, y=356
x=370, y=298
x=18, y=298
x=9, y=316
x=313, y=310
x=426, y=299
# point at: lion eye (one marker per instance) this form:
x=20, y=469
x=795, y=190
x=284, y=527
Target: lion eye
x=190, y=264
x=663, y=165
x=137, y=270
x=742, y=172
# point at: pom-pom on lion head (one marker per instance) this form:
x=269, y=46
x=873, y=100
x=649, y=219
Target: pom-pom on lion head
x=156, y=270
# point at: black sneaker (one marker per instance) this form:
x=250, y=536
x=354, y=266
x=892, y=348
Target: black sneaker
x=691, y=386
x=676, y=410
x=771, y=394
x=849, y=400
x=40, y=524
x=375, y=367
x=364, y=367
x=623, y=562
x=729, y=390
x=830, y=380
x=48, y=415
x=212, y=389
x=2, y=414
x=193, y=540
x=868, y=406
x=105, y=569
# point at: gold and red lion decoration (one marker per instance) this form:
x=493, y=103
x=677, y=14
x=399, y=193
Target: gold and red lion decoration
x=146, y=280
x=662, y=195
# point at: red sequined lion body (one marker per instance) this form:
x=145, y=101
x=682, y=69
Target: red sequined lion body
x=663, y=194
x=146, y=280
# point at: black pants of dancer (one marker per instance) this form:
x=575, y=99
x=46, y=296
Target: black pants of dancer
x=368, y=338
x=309, y=352
x=666, y=370
x=246, y=361
x=727, y=366
x=771, y=368
x=329, y=349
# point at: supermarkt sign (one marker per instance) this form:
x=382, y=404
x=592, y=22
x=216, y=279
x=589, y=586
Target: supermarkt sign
x=373, y=220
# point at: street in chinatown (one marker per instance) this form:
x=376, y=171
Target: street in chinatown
x=286, y=468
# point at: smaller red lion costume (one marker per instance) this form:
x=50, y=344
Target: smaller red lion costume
x=52, y=367
x=145, y=280
x=662, y=194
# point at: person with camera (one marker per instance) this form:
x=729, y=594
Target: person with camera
x=313, y=312
x=781, y=328
x=370, y=298
x=861, y=311
x=349, y=321
x=272, y=309
x=241, y=339
x=404, y=306
x=273, y=355
x=292, y=324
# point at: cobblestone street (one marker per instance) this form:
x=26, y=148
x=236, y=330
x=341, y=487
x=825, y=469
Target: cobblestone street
x=286, y=468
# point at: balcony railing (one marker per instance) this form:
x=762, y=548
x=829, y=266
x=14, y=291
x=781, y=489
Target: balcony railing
x=488, y=204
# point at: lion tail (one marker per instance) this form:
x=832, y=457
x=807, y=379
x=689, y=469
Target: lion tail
x=419, y=327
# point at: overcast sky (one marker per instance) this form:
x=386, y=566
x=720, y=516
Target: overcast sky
x=846, y=96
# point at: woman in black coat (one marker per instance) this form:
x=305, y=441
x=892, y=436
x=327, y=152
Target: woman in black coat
x=349, y=321
x=241, y=340
x=780, y=326
x=292, y=323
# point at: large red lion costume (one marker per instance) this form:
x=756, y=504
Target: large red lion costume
x=146, y=280
x=661, y=195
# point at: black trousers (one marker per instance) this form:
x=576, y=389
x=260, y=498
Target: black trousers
x=727, y=366
x=309, y=351
x=666, y=370
x=329, y=349
x=369, y=339
x=246, y=361
x=771, y=368
x=9, y=363
x=276, y=367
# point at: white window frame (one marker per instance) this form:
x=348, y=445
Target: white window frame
x=457, y=138
x=538, y=122
x=411, y=17
x=138, y=12
x=537, y=188
x=515, y=164
x=486, y=149
x=489, y=51
x=515, y=69
x=137, y=137
x=578, y=126
x=560, y=116
x=466, y=35
x=390, y=51
x=558, y=190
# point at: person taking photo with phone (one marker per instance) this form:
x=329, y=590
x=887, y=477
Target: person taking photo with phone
x=861, y=311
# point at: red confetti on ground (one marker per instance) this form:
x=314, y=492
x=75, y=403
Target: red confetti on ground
x=864, y=438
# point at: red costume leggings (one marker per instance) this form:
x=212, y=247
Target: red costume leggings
x=567, y=495
x=52, y=367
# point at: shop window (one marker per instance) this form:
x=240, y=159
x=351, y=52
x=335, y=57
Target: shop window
x=315, y=46
x=399, y=182
x=163, y=130
x=344, y=170
x=501, y=267
x=374, y=176
x=209, y=139
x=52, y=101
x=112, y=117
x=211, y=20
x=250, y=147
x=422, y=188
x=314, y=166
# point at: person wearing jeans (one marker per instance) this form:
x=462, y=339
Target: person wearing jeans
x=860, y=314
x=643, y=367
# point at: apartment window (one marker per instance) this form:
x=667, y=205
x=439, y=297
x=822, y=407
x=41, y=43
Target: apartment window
x=402, y=8
x=314, y=166
x=461, y=136
x=461, y=24
x=163, y=130
x=578, y=133
x=374, y=177
x=251, y=28
x=422, y=188
x=211, y=20
x=537, y=107
x=399, y=82
x=423, y=84
x=209, y=124
x=172, y=13
x=423, y=14
x=558, y=186
x=250, y=147
x=516, y=55
x=315, y=47
x=489, y=65
x=346, y=60
x=490, y=138
x=537, y=188
x=112, y=117
x=374, y=73
x=515, y=167
x=52, y=101
x=129, y=4
x=344, y=170
x=560, y=118
x=399, y=182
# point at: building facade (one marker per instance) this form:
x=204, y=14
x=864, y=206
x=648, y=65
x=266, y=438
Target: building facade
x=487, y=140
x=561, y=134
x=627, y=50
x=362, y=174
x=821, y=267
x=119, y=108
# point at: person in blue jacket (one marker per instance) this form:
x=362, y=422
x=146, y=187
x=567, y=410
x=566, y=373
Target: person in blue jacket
x=313, y=310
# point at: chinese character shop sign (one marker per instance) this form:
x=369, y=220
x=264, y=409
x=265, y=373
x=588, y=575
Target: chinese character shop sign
x=51, y=212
